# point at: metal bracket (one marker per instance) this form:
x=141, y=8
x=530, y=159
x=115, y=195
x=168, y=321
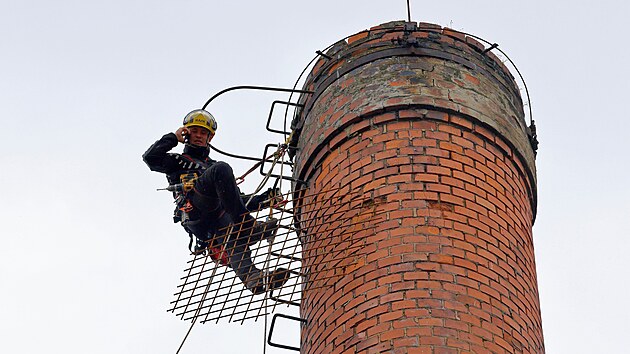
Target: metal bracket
x=494, y=45
x=259, y=88
x=273, y=323
x=290, y=164
x=320, y=53
x=271, y=113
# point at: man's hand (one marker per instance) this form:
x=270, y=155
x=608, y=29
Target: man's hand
x=181, y=134
x=274, y=194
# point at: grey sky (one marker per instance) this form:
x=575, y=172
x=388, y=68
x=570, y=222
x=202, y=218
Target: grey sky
x=89, y=256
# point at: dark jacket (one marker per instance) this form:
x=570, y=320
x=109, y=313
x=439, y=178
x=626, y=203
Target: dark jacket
x=194, y=159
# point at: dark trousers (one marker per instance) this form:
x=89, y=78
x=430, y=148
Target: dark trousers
x=218, y=202
x=237, y=245
x=217, y=189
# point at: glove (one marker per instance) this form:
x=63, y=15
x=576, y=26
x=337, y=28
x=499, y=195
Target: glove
x=274, y=194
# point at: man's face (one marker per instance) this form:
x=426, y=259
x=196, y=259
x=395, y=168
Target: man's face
x=199, y=136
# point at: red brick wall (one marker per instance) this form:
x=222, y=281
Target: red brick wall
x=418, y=239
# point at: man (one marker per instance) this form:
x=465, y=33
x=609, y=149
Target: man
x=209, y=204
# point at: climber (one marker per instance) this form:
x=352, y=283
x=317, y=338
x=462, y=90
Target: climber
x=209, y=204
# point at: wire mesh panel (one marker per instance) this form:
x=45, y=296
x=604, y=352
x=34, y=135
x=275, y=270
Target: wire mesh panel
x=211, y=291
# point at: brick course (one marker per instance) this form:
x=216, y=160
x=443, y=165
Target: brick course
x=437, y=254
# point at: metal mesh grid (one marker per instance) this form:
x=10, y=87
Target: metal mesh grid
x=330, y=222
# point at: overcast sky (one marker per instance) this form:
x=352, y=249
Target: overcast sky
x=89, y=256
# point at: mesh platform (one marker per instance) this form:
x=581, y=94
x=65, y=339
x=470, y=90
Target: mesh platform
x=331, y=226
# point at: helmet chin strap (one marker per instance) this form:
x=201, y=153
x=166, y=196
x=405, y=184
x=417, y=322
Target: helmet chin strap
x=187, y=142
x=195, y=150
x=193, y=146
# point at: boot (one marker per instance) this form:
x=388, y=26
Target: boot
x=278, y=278
x=266, y=230
x=255, y=283
x=275, y=280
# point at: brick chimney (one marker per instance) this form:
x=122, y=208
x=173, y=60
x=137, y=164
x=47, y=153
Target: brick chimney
x=425, y=128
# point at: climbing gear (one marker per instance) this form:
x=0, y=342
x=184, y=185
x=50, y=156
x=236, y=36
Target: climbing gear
x=217, y=254
x=188, y=181
x=182, y=197
x=200, y=247
x=276, y=155
x=275, y=197
x=201, y=118
x=194, y=158
x=209, y=248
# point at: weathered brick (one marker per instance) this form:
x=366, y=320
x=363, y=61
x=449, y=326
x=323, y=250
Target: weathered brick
x=448, y=264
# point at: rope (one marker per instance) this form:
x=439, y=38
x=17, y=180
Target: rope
x=203, y=298
x=277, y=155
x=241, y=179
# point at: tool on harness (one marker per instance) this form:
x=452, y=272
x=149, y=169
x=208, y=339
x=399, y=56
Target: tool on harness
x=187, y=184
x=176, y=188
x=182, y=197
